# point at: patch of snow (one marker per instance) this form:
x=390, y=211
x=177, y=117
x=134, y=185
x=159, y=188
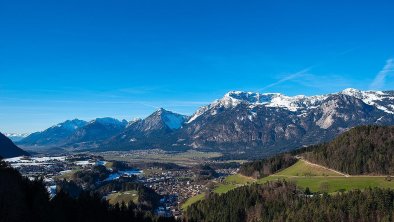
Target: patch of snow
x=84, y=163
x=380, y=118
x=13, y=159
x=133, y=121
x=71, y=125
x=199, y=112
x=33, y=161
x=51, y=190
x=128, y=173
x=173, y=121
x=65, y=171
x=16, y=137
x=101, y=163
x=45, y=159
x=384, y=109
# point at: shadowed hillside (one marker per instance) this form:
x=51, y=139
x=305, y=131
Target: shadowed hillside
x=8, y=148
x=361, y=150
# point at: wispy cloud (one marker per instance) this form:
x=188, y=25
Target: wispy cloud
x=307, y=79
x=310, y=80
x=325, y=83
x=287, y=78
x=380, y=79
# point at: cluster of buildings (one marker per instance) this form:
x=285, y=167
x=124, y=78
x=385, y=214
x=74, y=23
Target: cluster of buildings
x=176, y=186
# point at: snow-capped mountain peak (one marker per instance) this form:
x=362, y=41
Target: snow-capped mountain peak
x=16, y=134
x=70, y=124
x=379, y=99
x=15, y=137
x=351, y=92
x=131, y=122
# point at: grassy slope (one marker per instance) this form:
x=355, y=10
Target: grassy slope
x=335, y=184
x=301, y=168
x=230, y=182
x=193, y=200
x=324, y=180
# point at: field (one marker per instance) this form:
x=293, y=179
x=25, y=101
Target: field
x=126, y=197
x=193, y=200
x=302, y=168
x=238, y=179
x=325, y=180
x=187, y=158
x=335, y=184
x=232, y=182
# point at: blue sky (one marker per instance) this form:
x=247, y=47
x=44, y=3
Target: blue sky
x=86, y=59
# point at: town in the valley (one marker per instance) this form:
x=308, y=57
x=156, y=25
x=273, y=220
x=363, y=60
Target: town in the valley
x=173, y=184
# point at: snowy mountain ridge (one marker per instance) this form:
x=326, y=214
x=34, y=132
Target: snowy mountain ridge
x=297, y=103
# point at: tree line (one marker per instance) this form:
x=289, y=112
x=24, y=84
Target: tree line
x=268, y=166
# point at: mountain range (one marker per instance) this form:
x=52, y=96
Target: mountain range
x=240, y=123
x=15, y=137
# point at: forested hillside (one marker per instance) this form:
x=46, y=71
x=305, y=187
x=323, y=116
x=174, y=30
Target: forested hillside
x=361, y=150
x=8, y=149
x=282, y=201
x=268, y=166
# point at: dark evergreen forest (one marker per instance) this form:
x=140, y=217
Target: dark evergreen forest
x=22, y=200
x=282, y=201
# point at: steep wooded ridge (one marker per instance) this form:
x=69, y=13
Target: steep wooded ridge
x=8, y=149
x=241, y=124
x=361, y=150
